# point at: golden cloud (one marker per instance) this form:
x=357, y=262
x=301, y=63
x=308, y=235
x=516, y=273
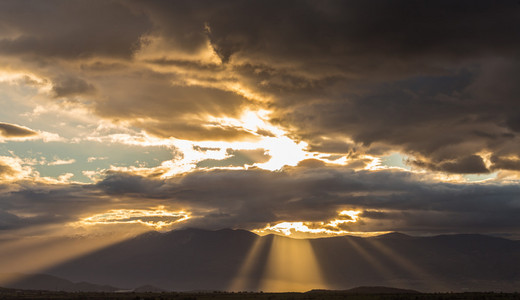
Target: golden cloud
x=155, y=217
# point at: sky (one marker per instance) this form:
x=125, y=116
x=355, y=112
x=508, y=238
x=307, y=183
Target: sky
x=300, y=118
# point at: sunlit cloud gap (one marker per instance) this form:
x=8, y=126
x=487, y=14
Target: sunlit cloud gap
x=156, y=218
x=273, y=140
x=280, y=149
x=317, y=229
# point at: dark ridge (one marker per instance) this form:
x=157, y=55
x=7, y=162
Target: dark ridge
x=380, y=290
x=197, y=259
x=368, y=290
x=149, y=289
x=47, y=282
x=394, y=236
x=470, y=236
x=149, y=235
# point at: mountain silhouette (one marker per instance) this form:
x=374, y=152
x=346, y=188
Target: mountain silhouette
x=367, y=290
x=195, y=259
x=190, y=259
x=53, y=283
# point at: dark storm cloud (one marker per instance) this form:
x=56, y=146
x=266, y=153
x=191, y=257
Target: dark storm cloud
x=46, y=204
x=366, y=36
x=434, y=79
x=38, y=204
x=440, y=117
x=70, y=29
x=180, y=23
x=8, y=221
x=70, y=86
x=468, y=164
x=128, y=184
x=188, y=64
x=15, y=131
x=506, y=163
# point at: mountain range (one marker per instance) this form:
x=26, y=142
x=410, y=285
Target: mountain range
x=53, y=283
x=196, y=259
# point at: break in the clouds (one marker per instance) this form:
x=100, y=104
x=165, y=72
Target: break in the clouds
x=346, y=116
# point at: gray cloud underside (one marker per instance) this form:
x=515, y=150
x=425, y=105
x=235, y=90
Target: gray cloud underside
x=70, y=29
x=15, y=131
x=436, y=80
x=391, y=200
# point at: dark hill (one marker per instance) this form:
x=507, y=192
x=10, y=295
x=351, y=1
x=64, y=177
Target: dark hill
x=53, y=283
x=364, y=290
x=190, y=259
x=194, y=259
x=393, y=236
x=148, y=289
x=379, y=290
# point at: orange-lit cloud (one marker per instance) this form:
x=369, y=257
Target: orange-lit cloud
x=13, y=168
x=60, y=162
x=333, y=227
x=156, y=218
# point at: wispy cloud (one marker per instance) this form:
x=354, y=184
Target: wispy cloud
x=59, y=162
x=94, y=158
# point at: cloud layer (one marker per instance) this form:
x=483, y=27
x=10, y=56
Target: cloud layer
x=388, y=200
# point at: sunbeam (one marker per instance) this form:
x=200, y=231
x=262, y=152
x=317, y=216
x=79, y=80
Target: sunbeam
x=292, y=266
x=245, y=279
x=421, y=275
x=372, y=260
x=35, y=253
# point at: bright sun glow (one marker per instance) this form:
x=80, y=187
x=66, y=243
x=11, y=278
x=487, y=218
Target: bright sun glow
x=155, y=217
x=282, y=150
x=275, y=143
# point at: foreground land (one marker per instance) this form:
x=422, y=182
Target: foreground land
x=25, y=294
